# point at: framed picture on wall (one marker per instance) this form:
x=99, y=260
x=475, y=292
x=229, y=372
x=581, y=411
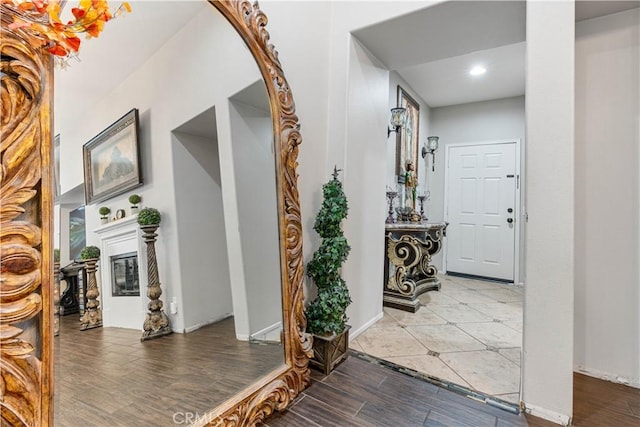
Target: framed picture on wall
x=407, y=138
x=112, y=160
x=77, y=232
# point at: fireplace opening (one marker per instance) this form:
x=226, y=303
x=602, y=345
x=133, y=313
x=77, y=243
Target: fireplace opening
x=124, y=275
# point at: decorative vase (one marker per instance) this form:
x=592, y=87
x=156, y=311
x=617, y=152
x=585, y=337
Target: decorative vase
x=134, y=210
x=104, y=220
x=92, y=317
x=329, y=352
x=156, y=324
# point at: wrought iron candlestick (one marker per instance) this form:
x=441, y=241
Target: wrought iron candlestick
x=421, y=199
x=391, y=195
x=92, y=317
x=156, y=324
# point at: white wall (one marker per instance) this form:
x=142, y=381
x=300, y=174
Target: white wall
x=475, y=122
x=167, y=93
x=206, y=292
x=253, y=158
x=607, y=331
x=368, y=87
x=548, y=309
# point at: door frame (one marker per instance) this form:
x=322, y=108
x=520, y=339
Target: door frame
x=519, y=205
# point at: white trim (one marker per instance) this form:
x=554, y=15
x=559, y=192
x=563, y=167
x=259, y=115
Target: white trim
x=631, y=382
x=208, y=322
x=353, y=335
x=547, y=414
x=263, y=333
x=518, y=198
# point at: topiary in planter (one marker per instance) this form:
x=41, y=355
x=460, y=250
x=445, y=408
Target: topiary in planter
x=134, y=199
x=149, y=216
x=56, y=255
x=90, y=252
x=326, y=315
x=104, y=212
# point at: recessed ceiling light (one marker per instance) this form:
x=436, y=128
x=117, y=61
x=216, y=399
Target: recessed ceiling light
x=477, y=70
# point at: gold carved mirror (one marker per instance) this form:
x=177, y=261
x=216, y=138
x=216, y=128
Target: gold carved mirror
x=26, y=200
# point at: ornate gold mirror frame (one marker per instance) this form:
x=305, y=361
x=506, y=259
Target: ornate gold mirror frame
x=26, y=219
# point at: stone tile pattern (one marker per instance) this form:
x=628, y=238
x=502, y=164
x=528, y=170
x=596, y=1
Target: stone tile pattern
x=468, y=333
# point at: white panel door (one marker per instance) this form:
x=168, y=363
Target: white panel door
x=481, y=210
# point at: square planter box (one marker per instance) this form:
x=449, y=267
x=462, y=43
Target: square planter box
x=328, y=352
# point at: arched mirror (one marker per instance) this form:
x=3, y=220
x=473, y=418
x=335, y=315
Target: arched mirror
x=218, y=139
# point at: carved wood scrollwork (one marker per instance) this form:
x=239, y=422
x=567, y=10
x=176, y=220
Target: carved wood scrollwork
x=25, y=214
x=250, y=22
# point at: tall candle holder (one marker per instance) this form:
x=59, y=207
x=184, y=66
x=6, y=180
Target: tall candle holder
x=422, y=198
x=391, y=195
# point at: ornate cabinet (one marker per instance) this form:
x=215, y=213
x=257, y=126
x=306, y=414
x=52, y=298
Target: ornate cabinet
x=408, y=270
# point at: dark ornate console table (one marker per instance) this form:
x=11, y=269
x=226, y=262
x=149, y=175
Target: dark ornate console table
x=408, y=271
x=73, y=298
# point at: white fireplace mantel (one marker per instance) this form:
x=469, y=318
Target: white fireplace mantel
x=116, y=238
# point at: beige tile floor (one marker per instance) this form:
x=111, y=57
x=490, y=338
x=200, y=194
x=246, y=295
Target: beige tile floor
x=468, y=333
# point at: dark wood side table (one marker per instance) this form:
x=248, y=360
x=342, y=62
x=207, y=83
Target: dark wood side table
x=408, y=271
x=73, y=298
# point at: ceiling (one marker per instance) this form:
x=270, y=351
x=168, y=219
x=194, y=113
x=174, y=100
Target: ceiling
x=125, y=44
x=433, y=49
x=438, y=45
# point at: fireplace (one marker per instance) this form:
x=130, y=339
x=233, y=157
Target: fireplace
x=122, y=272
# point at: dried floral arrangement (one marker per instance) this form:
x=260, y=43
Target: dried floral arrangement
x=40, y=19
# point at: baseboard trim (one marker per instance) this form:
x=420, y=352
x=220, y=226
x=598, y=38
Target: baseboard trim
x=613, y=378
x=203, y=324
x=267, y=330
x=546, y=414
x=354, y=334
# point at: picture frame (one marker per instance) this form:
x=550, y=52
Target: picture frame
x=112, y=160
x=407, y=139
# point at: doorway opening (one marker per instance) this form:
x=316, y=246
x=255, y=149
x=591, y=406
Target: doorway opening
x=468, y=334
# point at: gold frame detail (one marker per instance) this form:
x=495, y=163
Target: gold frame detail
x=26, y=217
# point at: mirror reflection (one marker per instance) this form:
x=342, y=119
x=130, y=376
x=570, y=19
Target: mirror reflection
x=207, y=165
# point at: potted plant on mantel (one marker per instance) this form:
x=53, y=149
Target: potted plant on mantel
x=156, y=324
x=104, y=214
x=326, y=314
x=134, y=199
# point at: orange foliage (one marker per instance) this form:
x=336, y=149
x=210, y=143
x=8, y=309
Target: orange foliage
x=41, y=19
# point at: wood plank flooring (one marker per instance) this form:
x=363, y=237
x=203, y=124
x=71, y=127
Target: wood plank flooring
x=359, y=393
x=107, y=377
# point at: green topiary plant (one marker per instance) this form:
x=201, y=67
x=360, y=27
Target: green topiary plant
x=149, y=216
x=90, y=252
x=326, y=314
x=134, y=199
x=56, y=255
x=104, y=212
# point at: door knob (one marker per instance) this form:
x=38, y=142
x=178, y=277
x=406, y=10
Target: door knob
x=510, y=220
x=510, y=210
